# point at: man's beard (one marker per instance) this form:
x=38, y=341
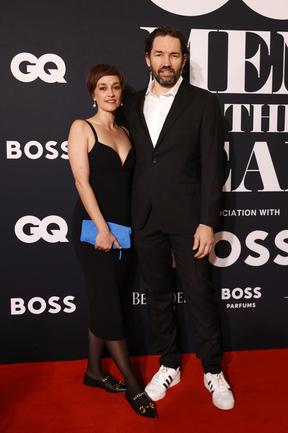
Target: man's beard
x=169, y=81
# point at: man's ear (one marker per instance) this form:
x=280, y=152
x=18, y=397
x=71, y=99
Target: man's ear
x=147, y=59
x=185, y=59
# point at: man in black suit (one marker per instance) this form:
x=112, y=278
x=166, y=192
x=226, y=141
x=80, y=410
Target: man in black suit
x=177, y=132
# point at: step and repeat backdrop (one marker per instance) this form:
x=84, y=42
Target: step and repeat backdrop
x=239, y=50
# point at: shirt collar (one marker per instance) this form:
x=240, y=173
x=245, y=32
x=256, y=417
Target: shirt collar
x=171, y=92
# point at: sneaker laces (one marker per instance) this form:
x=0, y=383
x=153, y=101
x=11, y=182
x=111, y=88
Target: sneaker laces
x=159, y=376
x=222, y=385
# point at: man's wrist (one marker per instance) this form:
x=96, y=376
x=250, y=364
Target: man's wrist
x=205, y=225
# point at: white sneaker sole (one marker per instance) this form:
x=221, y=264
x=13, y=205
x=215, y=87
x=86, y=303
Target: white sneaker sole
x=162, y=395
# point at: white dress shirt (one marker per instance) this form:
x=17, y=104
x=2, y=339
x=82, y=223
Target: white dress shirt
x=157, y=107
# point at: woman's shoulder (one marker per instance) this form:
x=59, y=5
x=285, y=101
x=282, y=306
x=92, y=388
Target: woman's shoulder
x=80, y=130
x=79, y=124
x=81, y=127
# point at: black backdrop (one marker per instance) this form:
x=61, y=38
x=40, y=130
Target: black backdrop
x=239, y=50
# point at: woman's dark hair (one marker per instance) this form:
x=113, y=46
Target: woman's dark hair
x=99, y=71
x=166, y=31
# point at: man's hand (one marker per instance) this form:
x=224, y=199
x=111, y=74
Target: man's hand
x=203, y=241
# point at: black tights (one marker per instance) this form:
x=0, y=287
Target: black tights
x=119, y=353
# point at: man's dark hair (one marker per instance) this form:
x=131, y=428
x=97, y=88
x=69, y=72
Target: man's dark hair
x=166, y=31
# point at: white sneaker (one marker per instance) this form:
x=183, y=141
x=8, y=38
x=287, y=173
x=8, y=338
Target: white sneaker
x=222, y=396
x=164, y=378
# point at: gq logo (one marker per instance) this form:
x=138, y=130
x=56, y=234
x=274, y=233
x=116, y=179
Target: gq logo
x=26, y=67
x=276, y=9
x=30, y=229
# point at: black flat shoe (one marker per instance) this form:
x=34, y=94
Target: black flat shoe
x=109, y=383
x=142, y=404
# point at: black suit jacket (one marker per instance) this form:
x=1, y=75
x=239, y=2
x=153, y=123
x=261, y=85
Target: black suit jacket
x=181, y=178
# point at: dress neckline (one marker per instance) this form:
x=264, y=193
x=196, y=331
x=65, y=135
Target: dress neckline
x=122, y=163
x=114, y=151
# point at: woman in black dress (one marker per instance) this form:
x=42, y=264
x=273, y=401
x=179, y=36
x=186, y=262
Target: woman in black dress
x=102, y=160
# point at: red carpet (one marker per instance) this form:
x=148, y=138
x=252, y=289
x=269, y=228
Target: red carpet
x=49, y=397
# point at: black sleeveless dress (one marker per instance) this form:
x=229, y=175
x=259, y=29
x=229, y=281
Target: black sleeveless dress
x=106, y=273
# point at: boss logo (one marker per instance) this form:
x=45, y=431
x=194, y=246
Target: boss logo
x=35, y=150
x=254, y=243
x=37, y=305
x=238, y=293
x=30, y=229
x=277, y=10
x=26, y=67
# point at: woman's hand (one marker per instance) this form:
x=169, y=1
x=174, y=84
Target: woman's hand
x=105, y=241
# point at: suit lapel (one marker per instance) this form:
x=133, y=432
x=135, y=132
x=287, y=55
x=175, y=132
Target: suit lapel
x=182, y=97
x=139, y=109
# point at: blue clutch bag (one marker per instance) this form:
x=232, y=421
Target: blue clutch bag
x=89, y=232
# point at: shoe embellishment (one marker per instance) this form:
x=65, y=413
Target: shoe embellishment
x=142, y=404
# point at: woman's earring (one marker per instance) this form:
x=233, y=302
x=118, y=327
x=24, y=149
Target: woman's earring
x=121, y=105
x=94, y=104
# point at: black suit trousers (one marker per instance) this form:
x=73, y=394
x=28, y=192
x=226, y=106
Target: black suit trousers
x=154, y=252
